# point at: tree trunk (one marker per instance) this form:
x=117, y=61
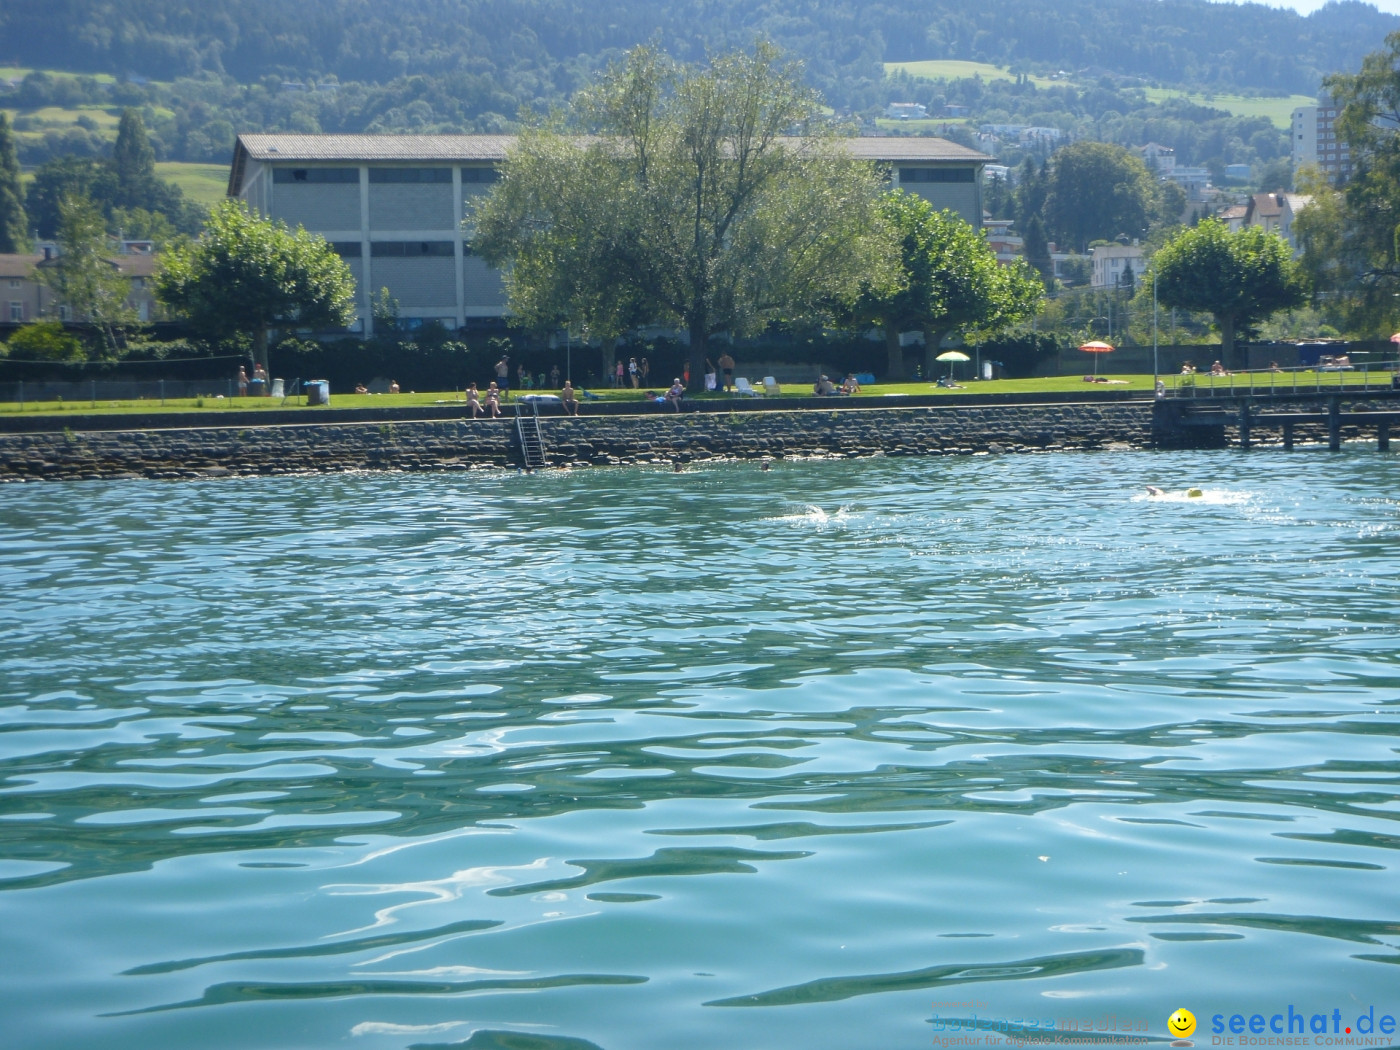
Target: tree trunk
x=1227, y=342
x=932, y=340
x=260, y=348
x=894, y=354
x=609, y=359
x=699, y=349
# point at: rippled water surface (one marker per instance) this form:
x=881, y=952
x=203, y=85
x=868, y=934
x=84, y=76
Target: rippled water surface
x=628, y=759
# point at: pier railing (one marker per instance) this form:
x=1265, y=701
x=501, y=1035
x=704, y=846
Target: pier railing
x=1323, y=379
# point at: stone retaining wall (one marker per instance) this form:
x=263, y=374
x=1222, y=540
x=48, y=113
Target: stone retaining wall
x=466, y=444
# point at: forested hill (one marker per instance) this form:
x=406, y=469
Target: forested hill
x=539, y=49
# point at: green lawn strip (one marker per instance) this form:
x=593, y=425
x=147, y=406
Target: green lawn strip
x=1205, y=386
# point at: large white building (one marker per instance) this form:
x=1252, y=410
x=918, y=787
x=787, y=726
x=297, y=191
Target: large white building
x=393, y=205
x=1315, y=142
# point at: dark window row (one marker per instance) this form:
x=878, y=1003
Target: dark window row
x=346, y=249
x=315, y=174
x=409, y=249
x=936, y=175
x=379, y=175
x=410, y=174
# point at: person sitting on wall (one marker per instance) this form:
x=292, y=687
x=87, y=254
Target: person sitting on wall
x=493, y=400
x=673, y=396
x=474, y=400
x=569, y=398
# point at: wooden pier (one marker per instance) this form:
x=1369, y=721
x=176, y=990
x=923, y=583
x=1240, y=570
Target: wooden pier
x=1202, y=421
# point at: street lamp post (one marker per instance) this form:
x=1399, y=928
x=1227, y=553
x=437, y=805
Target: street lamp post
x=1154, y=331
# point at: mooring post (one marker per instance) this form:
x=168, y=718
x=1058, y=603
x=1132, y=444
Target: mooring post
x=1334, y=423
x=1383, y=435
x=1244, y=424
x=1288, y=435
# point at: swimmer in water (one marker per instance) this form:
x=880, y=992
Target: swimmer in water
x=1153, y=490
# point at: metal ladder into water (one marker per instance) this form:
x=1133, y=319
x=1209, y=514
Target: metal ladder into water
x=531, y=440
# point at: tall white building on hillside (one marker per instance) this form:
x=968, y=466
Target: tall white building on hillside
x=1314, y=140
x=393, y=205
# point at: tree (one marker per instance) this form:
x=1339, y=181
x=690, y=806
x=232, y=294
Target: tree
x=47, y=341
x=1037, y=250
x=84, y=279
x=248, y=275
x=14, y=224
x=712, y=198
x=133, y=166
x=951, y=282
x=1240, y=278
x=1360, y=230
x=1096, y=191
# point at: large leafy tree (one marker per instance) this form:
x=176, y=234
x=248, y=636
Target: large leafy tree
x=1096, y=191
x=1239, y=278
x=711, y=198
x=950, y=282
x=249, y=275
x=84, y=279
x=14, y=224
x=1351, y=234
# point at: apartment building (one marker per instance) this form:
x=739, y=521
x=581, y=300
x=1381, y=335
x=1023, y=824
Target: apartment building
x=393, y=206
x=1315, y=141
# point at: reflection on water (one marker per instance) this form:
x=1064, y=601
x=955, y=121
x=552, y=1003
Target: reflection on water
x=727, y=758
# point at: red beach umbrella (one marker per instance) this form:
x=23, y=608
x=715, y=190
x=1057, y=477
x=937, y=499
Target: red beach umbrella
x=1096, y=347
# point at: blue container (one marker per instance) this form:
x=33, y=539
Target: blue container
x=318, y=392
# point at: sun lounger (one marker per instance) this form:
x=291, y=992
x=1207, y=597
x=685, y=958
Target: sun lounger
x=744, y=388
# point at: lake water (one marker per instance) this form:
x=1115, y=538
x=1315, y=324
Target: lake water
x=813, y=758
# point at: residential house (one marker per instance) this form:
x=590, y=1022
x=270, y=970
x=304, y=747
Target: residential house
x=1158, y=158
x=906, y=111
x=1275, y=212
x=23, y=298
x=392, y=206
x=1233, y=217
x=1007, y=245
x=1112, y=261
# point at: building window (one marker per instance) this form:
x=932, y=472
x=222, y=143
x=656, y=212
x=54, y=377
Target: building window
x=315, y=174
x=935, y=175
x=480, y=175
x=16, y=311
x=346, y=249
x=410, y=174
x=65, y=313
x=409, y=249
x=14, y=282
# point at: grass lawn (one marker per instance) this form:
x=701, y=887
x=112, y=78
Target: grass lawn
x=955, y=69
x=204, y=183
x=888, y=393
x=20, y=72
x=1279, y=111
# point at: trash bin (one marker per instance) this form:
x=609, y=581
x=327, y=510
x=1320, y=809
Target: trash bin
x=318, y=392
x=278, y=388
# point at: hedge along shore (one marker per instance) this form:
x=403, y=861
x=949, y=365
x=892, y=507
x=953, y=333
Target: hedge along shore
x=462, y=444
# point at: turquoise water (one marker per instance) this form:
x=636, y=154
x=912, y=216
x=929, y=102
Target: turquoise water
x=818, y=757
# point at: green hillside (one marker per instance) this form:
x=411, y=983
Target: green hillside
x=202, y=183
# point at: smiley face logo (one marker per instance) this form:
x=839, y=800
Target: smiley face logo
x=1182, y=1023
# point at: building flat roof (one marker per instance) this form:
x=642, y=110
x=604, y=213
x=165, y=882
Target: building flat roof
x=445, y=149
